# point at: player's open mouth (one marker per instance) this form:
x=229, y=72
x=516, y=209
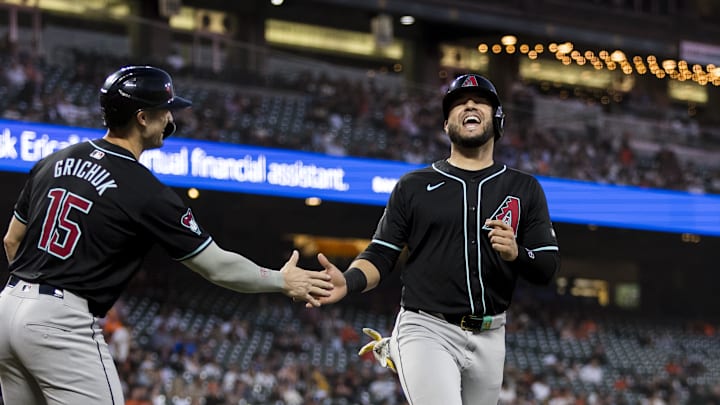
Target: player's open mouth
x=471, y=122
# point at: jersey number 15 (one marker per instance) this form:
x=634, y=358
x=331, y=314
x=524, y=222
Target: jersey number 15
x=60, y=234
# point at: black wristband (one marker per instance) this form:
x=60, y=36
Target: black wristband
x=355, y=279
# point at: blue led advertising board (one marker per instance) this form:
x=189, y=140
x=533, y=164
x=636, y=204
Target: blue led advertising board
x=278, y=172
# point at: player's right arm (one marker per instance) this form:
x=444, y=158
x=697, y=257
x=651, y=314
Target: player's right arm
x=360, y=271
x=236, y=272
x=18, y=223
x=14, y=235
x=378, y=258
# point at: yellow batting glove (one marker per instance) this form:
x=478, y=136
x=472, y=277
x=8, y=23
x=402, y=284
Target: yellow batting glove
x=380, y=348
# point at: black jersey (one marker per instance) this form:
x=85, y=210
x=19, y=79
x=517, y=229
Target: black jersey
x=92, y=212
x=439, y=212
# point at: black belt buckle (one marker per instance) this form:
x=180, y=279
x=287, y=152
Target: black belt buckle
x=476, y=323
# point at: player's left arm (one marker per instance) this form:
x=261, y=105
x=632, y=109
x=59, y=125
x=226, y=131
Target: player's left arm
x=537, y=266
x=166, y=218
x=14, y=235
x=534, y=252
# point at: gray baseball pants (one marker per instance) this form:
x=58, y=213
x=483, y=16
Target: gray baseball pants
x=440, y=363
x=52, y=350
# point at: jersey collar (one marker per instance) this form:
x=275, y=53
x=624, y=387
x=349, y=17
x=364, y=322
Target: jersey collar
x=444, y=166
x=112, y=149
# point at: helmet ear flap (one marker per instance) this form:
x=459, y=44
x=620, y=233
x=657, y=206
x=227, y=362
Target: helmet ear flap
x=113, y=114
x=115, y=107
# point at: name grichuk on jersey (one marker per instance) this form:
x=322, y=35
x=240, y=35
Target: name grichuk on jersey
x=92, y=213
x=439, y=212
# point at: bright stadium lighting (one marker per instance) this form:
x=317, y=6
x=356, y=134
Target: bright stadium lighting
x=313, y=201
x=508, y=40
x=565, y=48
x=669, y=65
x=617, y=56
x=407, y=20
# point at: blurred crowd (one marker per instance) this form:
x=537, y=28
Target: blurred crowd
x=366, y=117
x=171, y=360
x=308, y=357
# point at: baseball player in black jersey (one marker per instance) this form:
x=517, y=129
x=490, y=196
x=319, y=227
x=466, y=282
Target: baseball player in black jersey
x=81, y=226
x=471, y=227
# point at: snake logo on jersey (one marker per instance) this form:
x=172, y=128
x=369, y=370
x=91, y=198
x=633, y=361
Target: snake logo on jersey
x=508, y=212
x=188, y=221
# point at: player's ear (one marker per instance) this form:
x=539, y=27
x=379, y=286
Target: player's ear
x=141, y=116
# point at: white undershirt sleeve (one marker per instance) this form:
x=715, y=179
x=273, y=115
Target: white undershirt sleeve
x=234, y=271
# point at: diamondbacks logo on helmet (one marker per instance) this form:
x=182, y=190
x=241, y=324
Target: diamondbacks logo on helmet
x=471, y=81
x=188, y=221
x=133, y=88
x=508, y=212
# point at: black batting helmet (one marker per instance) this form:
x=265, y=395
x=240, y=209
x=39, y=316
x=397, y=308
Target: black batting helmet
x=135, y=88
x=472, y=83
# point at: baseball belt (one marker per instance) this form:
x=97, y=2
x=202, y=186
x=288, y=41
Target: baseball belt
x=468, y=322
x=45, y=289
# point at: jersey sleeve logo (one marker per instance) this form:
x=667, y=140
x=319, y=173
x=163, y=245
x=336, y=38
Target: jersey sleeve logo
x=188, y=221
x=508, y=212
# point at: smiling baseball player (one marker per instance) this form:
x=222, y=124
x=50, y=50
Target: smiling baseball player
x=472, y=227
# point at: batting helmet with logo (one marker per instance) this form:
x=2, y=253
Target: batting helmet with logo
x=135, y=88
x=472, y=83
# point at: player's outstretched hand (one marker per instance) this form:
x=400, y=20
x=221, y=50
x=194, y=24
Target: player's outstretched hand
x=503, y=240
x=305, y=285
x=337, y=279
x=380, y=348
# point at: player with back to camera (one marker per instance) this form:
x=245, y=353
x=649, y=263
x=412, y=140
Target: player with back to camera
x=471, y=227
x=82, y=224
